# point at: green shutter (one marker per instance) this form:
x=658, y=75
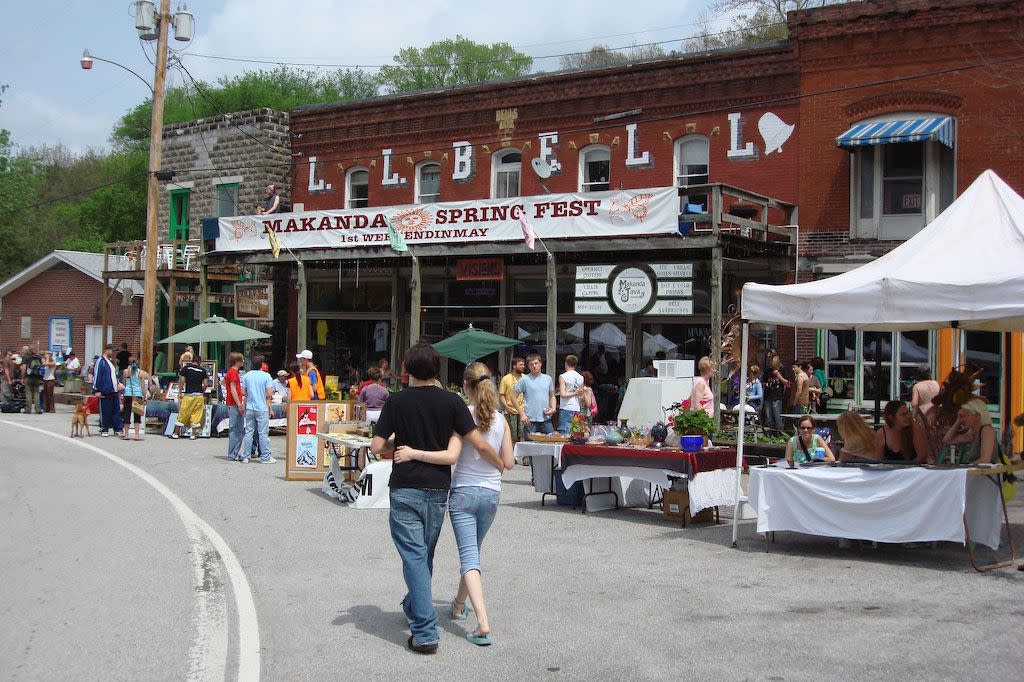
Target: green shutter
x=179, y=214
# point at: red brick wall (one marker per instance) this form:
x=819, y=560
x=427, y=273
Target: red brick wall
x=875, y=41
x=676, y=97
x=64, y=291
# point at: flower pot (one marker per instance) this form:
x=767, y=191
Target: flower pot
x=692, y=443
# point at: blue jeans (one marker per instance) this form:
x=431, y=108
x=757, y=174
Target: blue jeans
x=236, y=432
x=773, y=414
x=416, y=519
x=257, y=425
x=472, y=510
x=565, y=419
x=538, y=427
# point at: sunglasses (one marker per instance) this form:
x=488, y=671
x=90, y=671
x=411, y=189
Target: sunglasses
x=806, y=428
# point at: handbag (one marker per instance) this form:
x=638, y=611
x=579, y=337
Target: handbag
x=139, y=407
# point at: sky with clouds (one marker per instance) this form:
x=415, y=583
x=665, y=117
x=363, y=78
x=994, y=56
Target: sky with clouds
x=51, y=100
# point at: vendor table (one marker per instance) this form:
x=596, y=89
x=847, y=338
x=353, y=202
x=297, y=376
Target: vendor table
x=545, y=460
x=903, y=504
x=166, y=409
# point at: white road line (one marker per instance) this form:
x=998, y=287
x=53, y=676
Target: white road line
x=209, y=650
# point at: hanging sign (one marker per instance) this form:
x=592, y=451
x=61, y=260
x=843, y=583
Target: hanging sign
x=619, y=213
x=60, y=334
x=254, y=301
x=634, y=289
x=479, y=269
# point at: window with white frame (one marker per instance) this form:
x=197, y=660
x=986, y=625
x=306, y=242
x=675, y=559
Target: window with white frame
x=896, y=188
x=428, y=183
x=357, y=188
x=506, y=166
x=595, y=168
x=691, y=168
x=846, y=350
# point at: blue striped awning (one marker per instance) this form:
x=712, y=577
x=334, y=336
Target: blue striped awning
x=940, y=129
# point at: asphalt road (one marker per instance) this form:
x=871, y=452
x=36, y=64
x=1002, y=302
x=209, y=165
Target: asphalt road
x=105, y=578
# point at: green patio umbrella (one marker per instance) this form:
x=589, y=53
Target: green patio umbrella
x=214, y=329
x=472, y=344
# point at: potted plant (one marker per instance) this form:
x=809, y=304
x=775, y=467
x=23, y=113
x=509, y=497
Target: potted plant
x=693, y=426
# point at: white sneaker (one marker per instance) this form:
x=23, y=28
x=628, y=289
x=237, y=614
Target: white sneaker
x=267, y=461
x=103, y=434
x=244, y=460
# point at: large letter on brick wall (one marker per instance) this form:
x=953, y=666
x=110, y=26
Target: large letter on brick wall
x=463, y=170
x=632, y=147
x=546, y=151
x=316, y=185
x=391, y=179
x=734, y=140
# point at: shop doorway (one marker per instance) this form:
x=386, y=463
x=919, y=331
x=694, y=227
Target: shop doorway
x=347, y=348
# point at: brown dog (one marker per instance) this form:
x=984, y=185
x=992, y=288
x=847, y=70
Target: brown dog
x=79, y=421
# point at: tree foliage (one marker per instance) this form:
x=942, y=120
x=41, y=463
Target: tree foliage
x=752, y=21
x=283, y=88
x=600, y=56
x=450, y=62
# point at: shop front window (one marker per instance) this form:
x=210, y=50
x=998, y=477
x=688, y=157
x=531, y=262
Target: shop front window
x=875, y=384
x=368, y=297
x=347, y=348
x=841, y=354
x=914, y=354
x=983, y=351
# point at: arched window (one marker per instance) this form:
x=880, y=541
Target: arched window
x=595, y=168
x=506, y=166
x=357, y=188
x=428, y=182
x=691, y=168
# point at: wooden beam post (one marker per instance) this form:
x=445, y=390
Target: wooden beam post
x=415, y=291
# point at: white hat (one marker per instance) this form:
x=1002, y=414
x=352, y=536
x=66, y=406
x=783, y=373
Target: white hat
x=282, y=373
x=306, y=355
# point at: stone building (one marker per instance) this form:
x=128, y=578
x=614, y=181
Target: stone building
x=221, y=166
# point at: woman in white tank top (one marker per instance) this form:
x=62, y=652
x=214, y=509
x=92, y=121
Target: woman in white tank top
x=473, y=502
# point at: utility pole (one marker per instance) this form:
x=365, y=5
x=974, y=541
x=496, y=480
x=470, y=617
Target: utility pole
x=153, y=200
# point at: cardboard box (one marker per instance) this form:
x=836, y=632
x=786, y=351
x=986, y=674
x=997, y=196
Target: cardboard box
x=675, y=506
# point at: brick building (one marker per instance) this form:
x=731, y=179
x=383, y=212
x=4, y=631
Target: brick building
x=785, y=122
x=867, y=71
x=62, y=293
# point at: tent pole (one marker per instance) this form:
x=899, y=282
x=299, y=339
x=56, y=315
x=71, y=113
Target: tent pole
x=741, y=417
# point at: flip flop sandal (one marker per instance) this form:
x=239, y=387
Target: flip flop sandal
x=463, y=615
x=479, y=640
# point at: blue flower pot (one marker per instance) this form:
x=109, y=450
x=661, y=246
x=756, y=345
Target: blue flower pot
x=692, y=443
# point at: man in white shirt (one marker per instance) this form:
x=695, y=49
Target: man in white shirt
x=280, y=385
x=570, y=388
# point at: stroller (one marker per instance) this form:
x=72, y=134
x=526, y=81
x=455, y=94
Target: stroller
x=17, y=398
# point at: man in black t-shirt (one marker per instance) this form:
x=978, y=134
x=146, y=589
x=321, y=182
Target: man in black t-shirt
x=192, y=382
x=123, y=359
x=424, y=420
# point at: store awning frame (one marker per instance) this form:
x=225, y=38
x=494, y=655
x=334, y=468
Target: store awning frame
x=939, y=129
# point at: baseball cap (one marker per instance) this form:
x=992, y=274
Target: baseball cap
x=306, y=355
x=282, y=373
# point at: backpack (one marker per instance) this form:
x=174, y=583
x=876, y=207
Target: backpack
x=34, y=368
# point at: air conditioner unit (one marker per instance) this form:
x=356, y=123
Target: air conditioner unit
x=673, y=369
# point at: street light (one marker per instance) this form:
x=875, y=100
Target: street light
x=153, y=25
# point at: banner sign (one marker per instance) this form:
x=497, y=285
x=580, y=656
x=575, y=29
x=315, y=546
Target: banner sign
x=634, y=289
x=619, y=213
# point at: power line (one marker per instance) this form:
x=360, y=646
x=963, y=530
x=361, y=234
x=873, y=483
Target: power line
x=485, y=62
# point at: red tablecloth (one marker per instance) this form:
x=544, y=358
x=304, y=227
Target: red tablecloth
x=685, y=462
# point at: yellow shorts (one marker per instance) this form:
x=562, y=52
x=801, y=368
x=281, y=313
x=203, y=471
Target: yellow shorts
x=190, y=411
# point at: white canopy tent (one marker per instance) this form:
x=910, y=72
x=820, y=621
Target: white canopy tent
x=965, y=269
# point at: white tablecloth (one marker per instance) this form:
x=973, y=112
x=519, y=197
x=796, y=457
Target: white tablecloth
x=712, y=489
x=543, y=458
x=899, y=505
x=631, y=484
